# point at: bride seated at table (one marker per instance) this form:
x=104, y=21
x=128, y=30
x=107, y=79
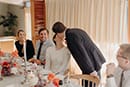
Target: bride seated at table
x=57, y=57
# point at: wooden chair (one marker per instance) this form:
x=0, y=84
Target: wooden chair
x=94, y=81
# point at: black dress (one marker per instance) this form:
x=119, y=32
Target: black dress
x=29, y=49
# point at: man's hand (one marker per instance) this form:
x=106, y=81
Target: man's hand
x=110, y=69
x=94, y=73
x=33, y=60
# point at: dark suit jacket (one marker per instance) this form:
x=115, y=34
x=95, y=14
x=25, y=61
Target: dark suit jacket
x=29, y=49
x=84, y=51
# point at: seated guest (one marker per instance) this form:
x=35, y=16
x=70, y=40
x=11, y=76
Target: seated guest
x=57, y=57
x=120, y=76
x=42, y=44
x=21, y=39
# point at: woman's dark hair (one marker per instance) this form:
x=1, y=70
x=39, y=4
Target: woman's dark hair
x=54, y=38
x=42, y=29
x=58, y=27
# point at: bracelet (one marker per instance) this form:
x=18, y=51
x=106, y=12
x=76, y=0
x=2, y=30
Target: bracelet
x=109, y=76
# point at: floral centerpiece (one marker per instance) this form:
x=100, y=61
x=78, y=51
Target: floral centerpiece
x=8, y=63
x=50, y=81
x=53, y=79
x=6, y=69
x=9, y=68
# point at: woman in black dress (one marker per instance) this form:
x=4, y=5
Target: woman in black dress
x=21, y=39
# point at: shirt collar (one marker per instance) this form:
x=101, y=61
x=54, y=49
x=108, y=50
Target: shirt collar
x=127, y=74
x=44, y=42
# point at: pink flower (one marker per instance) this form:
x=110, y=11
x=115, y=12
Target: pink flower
x=55, y=80
x=14, y=64
x=6, y=69
x=14, y=54
x=5, y=64
x=1, y=53
x=51, y=76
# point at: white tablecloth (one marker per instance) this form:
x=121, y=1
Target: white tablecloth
x=15, y=81
x=12, y=81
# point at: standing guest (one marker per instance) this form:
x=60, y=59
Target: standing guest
x=85, y=52
x=120, y=76
x=42, y=44
x=57, y=57
x=21, y=39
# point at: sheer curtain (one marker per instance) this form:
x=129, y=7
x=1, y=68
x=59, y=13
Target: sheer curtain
x=104, y=20
x=28, y=23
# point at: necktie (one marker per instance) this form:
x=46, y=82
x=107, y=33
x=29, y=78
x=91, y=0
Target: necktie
x=39, y=50
x=121, y=79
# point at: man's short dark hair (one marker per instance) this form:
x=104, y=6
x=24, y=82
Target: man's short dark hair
x=58, y=27
x=42, y=29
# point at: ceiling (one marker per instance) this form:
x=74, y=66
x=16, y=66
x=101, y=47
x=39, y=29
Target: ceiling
x=16, y=2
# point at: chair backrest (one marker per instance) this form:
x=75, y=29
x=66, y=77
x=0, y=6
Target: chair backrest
x=93, y=80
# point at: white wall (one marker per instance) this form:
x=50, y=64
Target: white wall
x=19, y=11
x=16, y=2
x=3, y=11
x=15, y=9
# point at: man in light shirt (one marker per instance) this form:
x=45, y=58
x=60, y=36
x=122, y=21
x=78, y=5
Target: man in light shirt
x=120, y=76
x=46, y=42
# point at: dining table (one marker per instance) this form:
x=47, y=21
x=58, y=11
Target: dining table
x=28, y=76
x=12, y=81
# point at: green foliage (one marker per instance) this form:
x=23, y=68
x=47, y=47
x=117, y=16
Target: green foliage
x=9, y=21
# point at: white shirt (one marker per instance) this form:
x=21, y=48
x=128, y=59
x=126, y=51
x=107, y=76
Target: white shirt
x=115, y=81
x=45, y=45
x=57, y=60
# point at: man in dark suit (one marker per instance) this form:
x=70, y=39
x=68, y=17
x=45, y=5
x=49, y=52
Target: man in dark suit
x=85, y=52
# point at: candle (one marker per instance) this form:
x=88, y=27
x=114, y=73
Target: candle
x=24, y=48
x=25, y=60
x=25, y=56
